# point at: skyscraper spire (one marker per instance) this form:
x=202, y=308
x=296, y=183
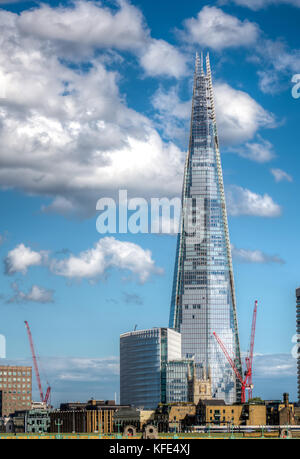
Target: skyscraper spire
x=203, y=297
x=199, y=71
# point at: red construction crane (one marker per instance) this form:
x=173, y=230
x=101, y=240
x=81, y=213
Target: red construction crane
x=246, y=382
x=232, y=364
x=249, y=358
x=36, y=369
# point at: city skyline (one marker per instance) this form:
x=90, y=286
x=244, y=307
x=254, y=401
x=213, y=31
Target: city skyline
x=111, y=111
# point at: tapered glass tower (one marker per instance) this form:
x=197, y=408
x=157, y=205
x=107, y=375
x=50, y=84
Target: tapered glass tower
x=203, y=297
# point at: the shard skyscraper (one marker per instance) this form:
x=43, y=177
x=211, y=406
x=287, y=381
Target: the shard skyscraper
x=203, y=297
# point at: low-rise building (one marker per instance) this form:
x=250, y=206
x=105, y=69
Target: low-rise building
x=216, y=412
x=132, y=416
x=174, y=416
x=282, y=413
x=31, y=421
x=93, y=416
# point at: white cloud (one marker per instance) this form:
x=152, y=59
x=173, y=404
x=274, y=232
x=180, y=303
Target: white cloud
x=241, y=201
x=258, y=4
x=278, y=62
x=36, y=295
x=107, y=252
x=218, y=30
x=172, y=114
x=281, y=175
x=21, y=258
x=260, y=152
x=268, y=81
x=73, y=138
x=161, y=58
x=169, y=104
x=254, y=256
x=239, y=116
x=85, y=26
x=90, y=264
x=275, y=366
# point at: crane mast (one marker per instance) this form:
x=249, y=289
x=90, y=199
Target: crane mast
x=249, y=358
x=246, y=382
x=36, y=368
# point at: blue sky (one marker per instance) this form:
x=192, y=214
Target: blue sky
x=95, y=97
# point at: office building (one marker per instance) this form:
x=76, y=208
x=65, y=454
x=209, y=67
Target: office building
x=178, y=373
x=16, y=388
x=143, y=358
x=203, y=297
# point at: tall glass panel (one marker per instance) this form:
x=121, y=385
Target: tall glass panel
x=298, y=339
x=203, y=298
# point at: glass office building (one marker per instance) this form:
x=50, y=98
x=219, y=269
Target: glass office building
x=178, y=372
x=298, y=338
x=203, y=297
x=143, y=358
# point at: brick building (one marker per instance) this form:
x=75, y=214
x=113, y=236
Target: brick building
x=215, y=412
x=15, y=388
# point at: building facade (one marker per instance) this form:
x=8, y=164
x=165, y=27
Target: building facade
x=132, y=416
x=32, y=421
x=175, y=417
x=16, y=388
x=178, y=373
x=143, y=358
x=298, y=337
x=93, y=416
x=215, y=412
x=184, y=383
x=203, y=296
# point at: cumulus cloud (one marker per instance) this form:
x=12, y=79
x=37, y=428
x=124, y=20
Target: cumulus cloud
x=161, y=58
x=107, y=253
x=21, y=258
x=218, y=30
x=80, y=29
x=258, y=4
x=90, y=264
x=254, y=256
x=84, y=26
x=67, y=133
x=280, y=175
x=260, y=152
x=35, y=295
x=241, y=201
x=239, y=116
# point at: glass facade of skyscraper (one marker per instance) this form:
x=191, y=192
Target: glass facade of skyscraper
x=177, y=374
x=203, y=297
x=298, y=338
x=143, y=358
